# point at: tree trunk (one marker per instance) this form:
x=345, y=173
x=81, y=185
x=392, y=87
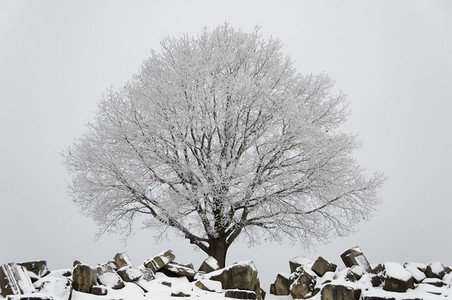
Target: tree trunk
x=218, y=249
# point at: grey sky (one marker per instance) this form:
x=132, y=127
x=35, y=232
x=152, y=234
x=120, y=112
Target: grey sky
x=392, y=58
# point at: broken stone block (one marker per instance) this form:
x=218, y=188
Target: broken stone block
x=177, y=270
x=160, y=260
x=434, y=281
x=110, y=279
x=304, y=286
x=148, y=275
x=99, y=290
x=240, y=294
x=282, y=284
x=84, y=278
x=14, y=280
x=415, y=271
x=397, y=279
x=209, y=285
x=122, y=260
x=298, y=261
x=34, y=297
x=236, y=276
x=180, y=294
x=340, y=292
x=321, y=266
x=435, y=270
x=37, y=267
x=209, y=265
x=355, y=256
x=129, y=274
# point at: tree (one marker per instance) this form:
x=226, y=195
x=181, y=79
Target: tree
x=218, y=136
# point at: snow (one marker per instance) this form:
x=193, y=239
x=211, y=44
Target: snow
x=414, y=270
x=396, y=270
x=301, y=260
x=212, y=262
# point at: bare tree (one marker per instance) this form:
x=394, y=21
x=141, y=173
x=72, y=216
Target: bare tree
x=218, y=136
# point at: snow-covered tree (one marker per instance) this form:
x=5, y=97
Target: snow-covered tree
x=219, y=136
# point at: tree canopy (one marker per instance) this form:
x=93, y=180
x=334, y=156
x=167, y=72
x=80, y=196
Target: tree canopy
x=218, y=136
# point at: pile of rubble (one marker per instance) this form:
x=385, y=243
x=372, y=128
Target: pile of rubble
x=33, y=280
x=322, y=280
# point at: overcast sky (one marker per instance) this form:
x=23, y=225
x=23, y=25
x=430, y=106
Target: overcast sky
x=392, y=58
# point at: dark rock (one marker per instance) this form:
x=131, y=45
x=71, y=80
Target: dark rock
x=210, y=264
x=75, y=263
x=178, y=270
x=298, y=261
x=14, y=280
x=304, y=286
x=122, y=260
x=355, y=257
x=84, y=278
x=378, y=269
x=397, y=278
x=99, y=290
x=37, y=267
x=378, y=298
x=129, y=274
x=434, y=281
x=237, y=276
x=376, y=280
x=34, y=297
x=209, y=285
x=321, y=266
x=340, y=292
x=282, y=284
x=435, y=270
x=240, y=294
x=159, y=261
x=180, y=294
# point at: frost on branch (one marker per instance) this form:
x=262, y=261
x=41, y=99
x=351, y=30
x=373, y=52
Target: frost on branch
x=219, y=136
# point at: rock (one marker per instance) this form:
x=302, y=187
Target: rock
x=159, y=261
x=34, y=297
x=180, y=294
x=340, y=292
x=378, y=269
x=148, y=275
x=241, y=276
x=209, y=285
x=14, y=280
x=378, y=298
x=321, y=266
x=434, y=281
x=209, y=265
x=84, y=278
x=304, y=286
x=355, y=257
x=99, y=290
x=396, y=278
x=282, y=284
x=240, y=294
x=110, y=279
x=435, y=270
x=298, y=261
x=417, y=274
x=129, y=274
x=177, y=270
x=376, y=280
x=37, y=267
x=122, y=260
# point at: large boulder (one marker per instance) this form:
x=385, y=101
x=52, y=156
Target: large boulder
x=39, y=268
x=396, y=278
x=177, y=270
x=241, y=276
x=122, y=260
x=321, y=266
x=298, y=261
x=84, y=278
x=435, y=270
x=107, y=276
x=355, y=257
x=14, y=280
x=304, y=286
x=416, y=271
x=281, y=286
x=209, y=265
x=160, y=260
x=129, y=274
x=340, y=292
x=240, y=294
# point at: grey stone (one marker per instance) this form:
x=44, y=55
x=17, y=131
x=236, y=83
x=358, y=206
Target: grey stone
x=122, y=260
x=159, y=261
x=84, y=278
x=435, y=270
x=14, y=280
x=129, y=274
x=210, y=264
x=37, y=267
x=99, y=290
x=321, y=266
x=340, y=292
x=177, y=270
x=240, y=294
x=281, y=286
x=237, y=276
x=298, y=261
x=355, y=257
x=304, y=286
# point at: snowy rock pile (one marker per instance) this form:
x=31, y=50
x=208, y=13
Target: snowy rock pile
x=159, y=277
x=390, y=281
